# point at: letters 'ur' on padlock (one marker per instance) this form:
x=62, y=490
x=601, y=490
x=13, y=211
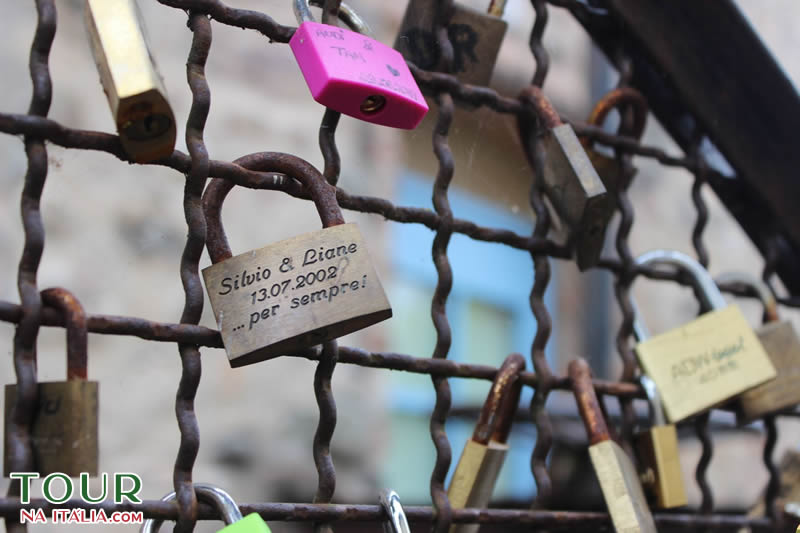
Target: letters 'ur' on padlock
x=64, y=434
x=354, y=74
x=707, y=361
x=618, y=478
x=224, y=503
x=608, y=167
x=782, y=345
x=132, y=85
x=569, y=179
x=295, y=293
x=477, y=470
x=476, y=37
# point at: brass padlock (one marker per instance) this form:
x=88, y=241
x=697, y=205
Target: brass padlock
x=608, y=167
x=618, y=478
x=295, y=293
x=476, y=38
x=64, y=433
x=135, y=90
x=480, y=463
x=569, y=179
x=782, y=345
x=707, y=361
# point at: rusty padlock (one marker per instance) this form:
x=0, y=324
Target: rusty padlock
x=608, y=167
x=708, y=360
x=569, y=179
x=295, y=293
x=782, y=345
x=476, y=37
x=480, y=463
x=133, y=86
x=618, y=478
x=64, y=435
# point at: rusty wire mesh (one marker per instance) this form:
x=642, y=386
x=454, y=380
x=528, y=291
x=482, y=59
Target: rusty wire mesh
x=190, y=337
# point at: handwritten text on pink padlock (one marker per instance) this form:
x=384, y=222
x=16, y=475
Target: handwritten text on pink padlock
x=358, y=76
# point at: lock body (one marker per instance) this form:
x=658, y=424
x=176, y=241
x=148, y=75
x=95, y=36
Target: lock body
x=660, y=456
x=252, y=523
x=610, y=173
x=135, y=91
x=64, y=434
x=705, y=362
x=295, y=294
x=474, y=478
x=358, y=76
x=780, y=341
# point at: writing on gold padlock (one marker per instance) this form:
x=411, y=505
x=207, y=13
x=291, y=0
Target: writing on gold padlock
x=296, y=293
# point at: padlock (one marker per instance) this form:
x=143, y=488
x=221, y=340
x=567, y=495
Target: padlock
x=397, y=522
x=570, y=181
x=707, y=361
x=224, y=503
x=295, y=293
x=608, y=167
x=64, y=434
x=475, y=35
x=782, y=345
x=618, y=478
x=354, y=74
x=133, y=86
x=477, y=470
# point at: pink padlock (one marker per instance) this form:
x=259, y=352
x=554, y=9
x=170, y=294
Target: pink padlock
x=354, y=74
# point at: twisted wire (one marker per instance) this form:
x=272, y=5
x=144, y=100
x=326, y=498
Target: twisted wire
x=323, y=392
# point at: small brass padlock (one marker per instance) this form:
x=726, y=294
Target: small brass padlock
x=707, y=361
x=295, y=293
x=569, y=179
x=480, y=463
x=135, y=91
x=782, y=345
x=64, y=434
x=618, y=478
x=476, y=38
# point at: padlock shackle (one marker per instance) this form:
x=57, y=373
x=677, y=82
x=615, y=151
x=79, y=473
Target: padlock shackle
x=215, y=496
x=535, y=98
x=497, y=413
x=654, y=400
x=496, y=8
x=348, y=15
x=757, y=285
x=322, y=193
x=588, y=405
x=77, y=330
x=616, y=99
x=397, y=522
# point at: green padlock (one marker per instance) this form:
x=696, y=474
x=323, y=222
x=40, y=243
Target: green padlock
x=223, y=501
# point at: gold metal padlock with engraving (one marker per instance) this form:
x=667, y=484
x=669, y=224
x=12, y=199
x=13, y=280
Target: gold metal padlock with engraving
x=618, y=478
x=570, y=181
x=782, y=345
x=295, y=293
x=64, y=434
x=133, y=86
x=476, y=38
x=480, y=463
x=707, y=361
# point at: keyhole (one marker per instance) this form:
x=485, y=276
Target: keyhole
x=372, y=104
x=147, y=127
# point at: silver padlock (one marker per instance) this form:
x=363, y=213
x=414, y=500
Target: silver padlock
x=397, y=522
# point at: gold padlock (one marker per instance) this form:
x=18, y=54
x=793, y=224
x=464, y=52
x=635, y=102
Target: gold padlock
x=782, y=345
x=476, y=38
x=707, y=361
x=570, y=181
x=135, y=91
x=295, y=293
x=64, y=435
x=618, y=478
x=483, y=456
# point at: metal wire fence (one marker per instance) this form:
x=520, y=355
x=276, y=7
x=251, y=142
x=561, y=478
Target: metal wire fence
x=248, y=171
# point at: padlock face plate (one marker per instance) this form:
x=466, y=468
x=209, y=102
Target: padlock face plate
x=343, y=69
x=476, y=38
x=295, y=294
x=466, y=474
x=658, y=449
x=251, y=523
x=134, y=89
x=474, y=479
x=622, y=491
x=781, y=343
x=705, y=362
x=64, y=434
